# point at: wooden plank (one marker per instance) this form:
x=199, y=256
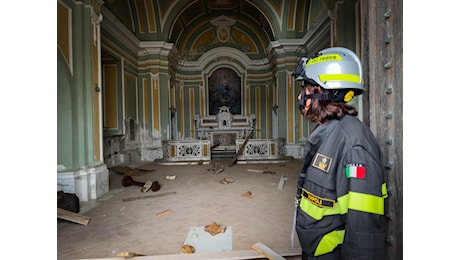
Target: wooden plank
x=164, y=213
x=235, y=158
x=248, y=254
x=128, y=254
x=150, y=196
x=281, y=182
x=266, y=251
x=72, y=216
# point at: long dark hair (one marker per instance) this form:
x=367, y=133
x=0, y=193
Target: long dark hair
x=323, y=110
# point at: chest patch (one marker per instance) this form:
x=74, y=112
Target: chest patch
x=322, y=162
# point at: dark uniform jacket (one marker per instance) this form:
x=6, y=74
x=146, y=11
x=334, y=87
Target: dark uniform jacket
x=342, y=196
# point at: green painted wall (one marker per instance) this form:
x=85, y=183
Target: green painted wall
x=75, y=109
x=64, y=113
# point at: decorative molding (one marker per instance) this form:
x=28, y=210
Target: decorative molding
x=223, y=27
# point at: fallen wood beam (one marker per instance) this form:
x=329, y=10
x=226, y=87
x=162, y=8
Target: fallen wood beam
x=148, y=197
x=72, y=216
x=240, y=151
x=249, y=254
x=128, y=254
x=266, y=251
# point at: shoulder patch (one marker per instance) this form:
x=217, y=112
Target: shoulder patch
x=355, y=170
x=322, y=162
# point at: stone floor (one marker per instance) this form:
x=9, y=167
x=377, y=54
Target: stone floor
x=125, y=220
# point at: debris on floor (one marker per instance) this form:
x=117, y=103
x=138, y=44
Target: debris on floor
x=156, y=186
x=203, y=241
x=128, y=254
x=227, y=180
x=147, y=186
x=170, y=177
x=150, y=196
x=215, y=229
x=129, y=181
x=187, y=249
x=266, y=251
x=216, y=168
x=281, y=182
x=262, y=171
x=247, y=194
x=72, y=216
x=164, y=213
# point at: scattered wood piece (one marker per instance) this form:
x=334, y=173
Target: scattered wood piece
x=150, y=196
x=281, y=182
x=254, y=170
x=147, y=186
x=164, y=213
x=229, y=180
x=262, y=171
x=72, y=216
x=240, y=150
x=187, y=249
x=266, y=251
x=128, y=254
x=215, y=229
x=170, y=177
x=247, y=194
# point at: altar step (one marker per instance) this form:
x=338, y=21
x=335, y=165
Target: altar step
x=223, y=154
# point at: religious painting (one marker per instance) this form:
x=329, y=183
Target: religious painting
x=224, y=87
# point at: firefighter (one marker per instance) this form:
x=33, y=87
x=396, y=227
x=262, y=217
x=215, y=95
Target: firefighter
x=341, y=189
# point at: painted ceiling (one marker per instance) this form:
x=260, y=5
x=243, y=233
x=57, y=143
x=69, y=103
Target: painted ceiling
x=195, y=26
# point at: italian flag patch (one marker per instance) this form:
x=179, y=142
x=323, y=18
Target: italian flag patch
x=355, y=171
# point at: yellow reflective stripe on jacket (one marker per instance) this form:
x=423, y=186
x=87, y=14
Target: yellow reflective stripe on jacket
x=354, y=200
x=315, y=211
x=368, y=203
x=329, y=242
x=365, y=202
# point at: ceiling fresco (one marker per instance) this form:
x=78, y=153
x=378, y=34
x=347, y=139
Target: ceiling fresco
x=195, y=26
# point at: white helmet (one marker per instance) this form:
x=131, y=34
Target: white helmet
x=333, y=68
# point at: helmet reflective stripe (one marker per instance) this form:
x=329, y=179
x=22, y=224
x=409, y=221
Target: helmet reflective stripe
x=341, y=77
